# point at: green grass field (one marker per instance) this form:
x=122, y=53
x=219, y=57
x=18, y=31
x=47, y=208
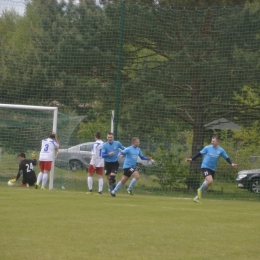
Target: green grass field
x=58, y=224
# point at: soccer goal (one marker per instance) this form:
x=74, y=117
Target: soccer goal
x=22, y=127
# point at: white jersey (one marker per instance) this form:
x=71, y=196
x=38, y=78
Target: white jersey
x=96, y=152
x=48, y=149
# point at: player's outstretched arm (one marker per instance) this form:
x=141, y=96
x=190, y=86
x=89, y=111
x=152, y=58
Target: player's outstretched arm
x=231, y=163
x=193, y=157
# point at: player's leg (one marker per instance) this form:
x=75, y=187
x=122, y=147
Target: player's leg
x=114, y=170
x=208, y=179
x=46, y=171
x=135, y=176
x=24, y=182
x=112, y=181
x=107, y=173
x=127, y=173
x=31, y=181
x=99, y=171
x=40, y=175
x=91, y=171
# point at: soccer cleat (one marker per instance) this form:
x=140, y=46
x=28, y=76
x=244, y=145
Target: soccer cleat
x=130, y=192
x=100, y=192
x=13, y=180
x=112, y=194
x=42, y=188
x=37, y=186
x=89, y=192
x=199, y=192
x=27, y=185
x=196, y=200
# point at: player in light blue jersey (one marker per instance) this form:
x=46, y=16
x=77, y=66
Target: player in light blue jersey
x=209, y=163
x=110, y=152
x=131, y=154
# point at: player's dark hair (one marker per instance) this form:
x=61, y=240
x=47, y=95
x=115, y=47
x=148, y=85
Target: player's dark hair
x=21, y=155
x=97, y=135
x=134, y=139
x=52, y=136
x=215, y=137
x=110, y=133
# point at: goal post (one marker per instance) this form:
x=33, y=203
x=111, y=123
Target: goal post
x=54, y=127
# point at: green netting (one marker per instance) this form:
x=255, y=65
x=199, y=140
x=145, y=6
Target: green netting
x=21, y=130
x=174, y=76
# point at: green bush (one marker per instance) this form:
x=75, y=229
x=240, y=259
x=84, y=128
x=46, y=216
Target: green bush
x=169, y=168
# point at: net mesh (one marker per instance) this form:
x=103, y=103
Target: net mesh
x=174, y=76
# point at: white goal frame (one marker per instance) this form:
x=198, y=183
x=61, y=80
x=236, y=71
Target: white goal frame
x=54, y=128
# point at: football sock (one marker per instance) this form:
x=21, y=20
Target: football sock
x=132, y=184
x=39, y=178
x=118, y=187
x=196, y=197
x=204, y=186
x=100, y=184
x=90, y=183
x=44, y=179
x=111, y=187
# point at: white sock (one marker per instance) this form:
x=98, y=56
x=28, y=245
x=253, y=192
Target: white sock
x=100, y=184
x=39, y=178
x=90, y=183
x=44, y=179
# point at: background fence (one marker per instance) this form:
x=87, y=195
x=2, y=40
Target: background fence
x=173, y=75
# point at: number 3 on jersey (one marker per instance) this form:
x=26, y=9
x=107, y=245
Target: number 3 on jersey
x=46, y=148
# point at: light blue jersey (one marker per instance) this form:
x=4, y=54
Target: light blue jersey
x=111, y=147
x=131, y=154
x=211, y=157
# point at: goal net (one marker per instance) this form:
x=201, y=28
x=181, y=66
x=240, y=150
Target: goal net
x=21, y=130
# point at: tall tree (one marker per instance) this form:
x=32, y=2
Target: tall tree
x=191, y=63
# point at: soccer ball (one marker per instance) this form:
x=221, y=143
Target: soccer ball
x=10, y=183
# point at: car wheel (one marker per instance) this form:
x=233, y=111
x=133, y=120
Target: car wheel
x=75, y=165
x=255, y=186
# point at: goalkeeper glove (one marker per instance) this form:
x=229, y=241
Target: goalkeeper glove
x=33, y=155
x=13, y=180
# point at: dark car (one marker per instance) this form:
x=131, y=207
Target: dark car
x=249, y=179
x=78, y=157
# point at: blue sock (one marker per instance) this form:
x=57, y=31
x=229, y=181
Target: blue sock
x=118, y=187
x=132, y=184
x=111, y=187
x=204, y=186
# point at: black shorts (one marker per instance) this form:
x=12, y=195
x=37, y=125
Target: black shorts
x=206, y=172
x=30, y=180
x=129, y=171
x=111, y=167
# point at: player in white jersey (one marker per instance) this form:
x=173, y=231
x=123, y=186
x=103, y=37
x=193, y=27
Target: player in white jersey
x=48, y=150
x=96, y=164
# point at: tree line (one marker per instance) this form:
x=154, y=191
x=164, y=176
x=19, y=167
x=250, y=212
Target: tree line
x=183, y=64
